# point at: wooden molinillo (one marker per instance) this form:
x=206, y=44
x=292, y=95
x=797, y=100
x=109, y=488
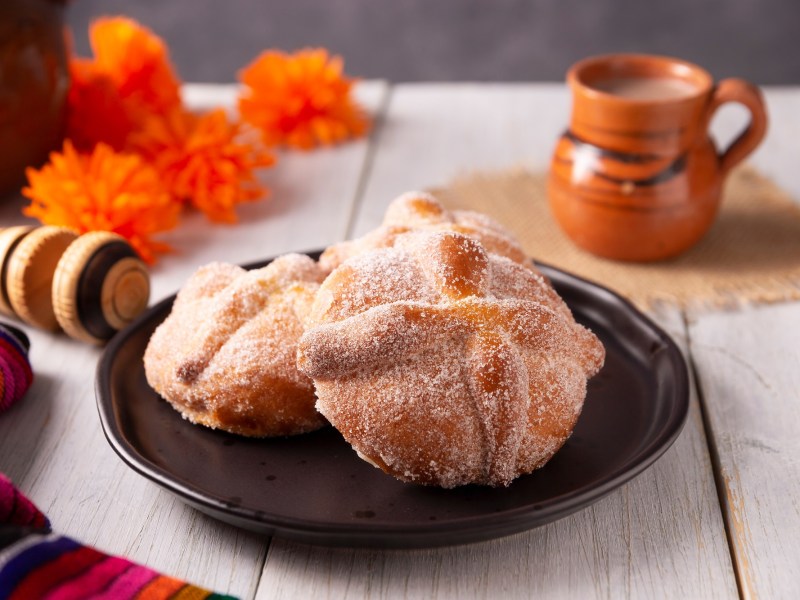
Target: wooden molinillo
x=90, y=286
x=9, y=240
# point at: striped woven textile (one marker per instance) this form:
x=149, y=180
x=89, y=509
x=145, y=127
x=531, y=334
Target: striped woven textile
x=59, y=568
x=36, y=564
x=16, y=509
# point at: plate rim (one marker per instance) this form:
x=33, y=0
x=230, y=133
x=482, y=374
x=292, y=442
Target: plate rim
x=370, y=533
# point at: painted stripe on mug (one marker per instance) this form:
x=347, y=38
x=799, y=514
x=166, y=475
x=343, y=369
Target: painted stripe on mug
x=619, y=156
x=665, y=133
x=637, y=209
x=643, y=196
x=611, y=202
x=672, y=208
x=675, y=168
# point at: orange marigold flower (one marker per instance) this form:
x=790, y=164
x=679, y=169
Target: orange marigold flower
x=129, y=78
x=106, y=191
x=203, y=161
x=95, y=111
x=300, y=100
x=137, y=61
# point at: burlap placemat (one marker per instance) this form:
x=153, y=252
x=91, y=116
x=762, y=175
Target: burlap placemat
x=750, y=255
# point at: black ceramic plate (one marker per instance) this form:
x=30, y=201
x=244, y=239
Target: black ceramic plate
x=315, y=489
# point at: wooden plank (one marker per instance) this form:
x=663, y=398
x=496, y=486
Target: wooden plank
x=437, y=132
x=661, y=535
x=747, y=362
x=51, y=443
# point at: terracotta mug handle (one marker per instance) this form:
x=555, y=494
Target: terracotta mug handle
x=743, y=92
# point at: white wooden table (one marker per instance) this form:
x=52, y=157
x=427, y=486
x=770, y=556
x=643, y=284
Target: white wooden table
x=718, y=516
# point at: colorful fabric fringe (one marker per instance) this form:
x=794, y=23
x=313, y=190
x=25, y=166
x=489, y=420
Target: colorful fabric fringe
x=15, y=370
x=58, y=567
x=35, y=564
x=16, y=509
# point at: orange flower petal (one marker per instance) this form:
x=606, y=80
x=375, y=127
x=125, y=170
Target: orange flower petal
x=203, y=161
x=95, y=111
x=129, y=78
x=137, y=61
x=302, y=100
x=104, y=190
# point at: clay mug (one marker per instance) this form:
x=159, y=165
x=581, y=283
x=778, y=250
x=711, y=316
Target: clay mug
x=636, y=176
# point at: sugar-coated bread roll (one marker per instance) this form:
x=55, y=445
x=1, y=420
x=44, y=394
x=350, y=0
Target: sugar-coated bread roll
x=443, y=364
x=226, y=355
x=419, y=210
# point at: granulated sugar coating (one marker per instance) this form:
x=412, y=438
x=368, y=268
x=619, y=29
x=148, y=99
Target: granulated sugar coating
x=444, y=365
x=421, y=211
x=226, y=355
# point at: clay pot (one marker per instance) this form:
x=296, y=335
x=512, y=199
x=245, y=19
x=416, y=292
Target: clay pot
x=35, y=83
x=636, y=176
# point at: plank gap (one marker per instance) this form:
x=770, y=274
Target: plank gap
x=716, y=464
x=261, y=564
x=372, y=150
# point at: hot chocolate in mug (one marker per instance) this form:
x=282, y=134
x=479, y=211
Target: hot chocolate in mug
x=636, y=176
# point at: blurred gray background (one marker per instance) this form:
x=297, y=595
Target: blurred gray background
x=467, y=40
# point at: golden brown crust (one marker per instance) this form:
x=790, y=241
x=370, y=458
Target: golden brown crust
x=446, y=365
x=225, y=357
x=414, y=211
